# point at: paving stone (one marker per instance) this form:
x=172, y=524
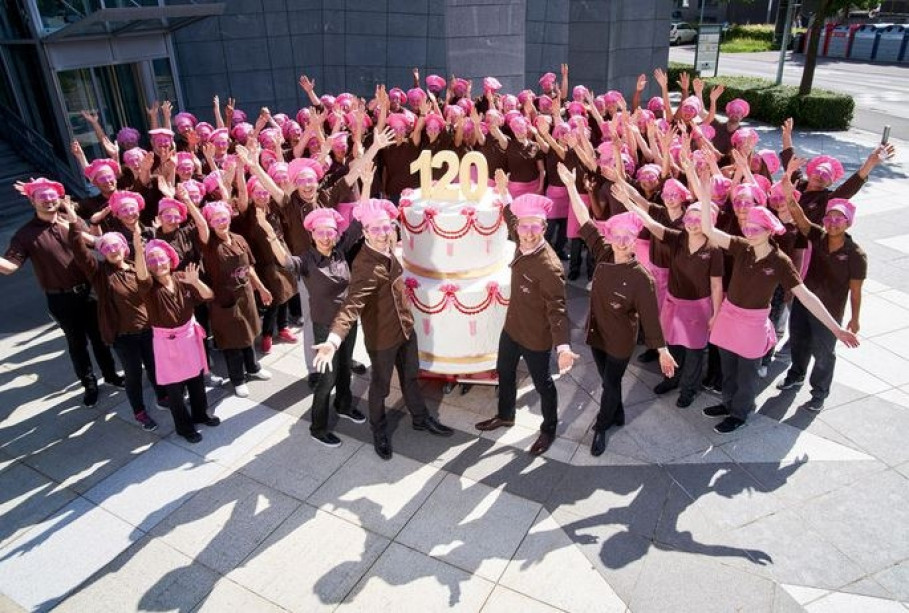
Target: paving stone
x=874, y=425
x=858, y=518
x=26, y=498
x=896, y=580
x=225, y=522
x=877, y=360
x=846, y=603
x=379, y=495
x=149, y=576
x=868, y=587
x=503, y=600
x=42, y=422
x=407, y=581
x=522, y=438
x=153, y=485
x=310, y=562
x=783, y=443
x=470, y=525
x=798, y=481
x=228, y=596
x=549, y=568
x=665, y=434
x=76, y=541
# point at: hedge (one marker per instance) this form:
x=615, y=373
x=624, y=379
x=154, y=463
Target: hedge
x=819, y=110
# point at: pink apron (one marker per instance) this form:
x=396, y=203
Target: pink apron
x=806, y=260
x=684, y=322
x=516, y=188
x=560, y=203
x=642, y=252
x=345, y=209
x=746, y=332
x=661, y=283
x=179, y=353
x=573, y=229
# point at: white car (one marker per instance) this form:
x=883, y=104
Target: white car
x=681, y=32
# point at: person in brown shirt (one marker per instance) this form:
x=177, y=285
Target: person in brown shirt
x=836, y=272
x=376, y=296
x=742, y=331
x=536, y=320
x=44, y=240
x=622, y=296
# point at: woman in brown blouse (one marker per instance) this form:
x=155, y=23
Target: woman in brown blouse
x=234, y=319
x=622, y=294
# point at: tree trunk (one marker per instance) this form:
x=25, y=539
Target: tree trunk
x=814, y=37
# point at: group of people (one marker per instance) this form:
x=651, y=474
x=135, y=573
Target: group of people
x=697, y=243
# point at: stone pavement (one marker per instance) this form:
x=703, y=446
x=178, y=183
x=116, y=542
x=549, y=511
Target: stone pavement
x=795, y=511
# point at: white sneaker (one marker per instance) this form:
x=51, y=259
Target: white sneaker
x=241, y=391
x=762, y=371
x=214, y=380
x=261, y=375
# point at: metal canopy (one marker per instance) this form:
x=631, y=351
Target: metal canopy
x=146, y=19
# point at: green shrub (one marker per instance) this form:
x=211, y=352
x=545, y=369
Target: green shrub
x=820, y=110
x=675, y=70
x=755, y=32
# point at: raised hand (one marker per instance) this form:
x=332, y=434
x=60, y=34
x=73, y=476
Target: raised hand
x=191, y=273
x=501, y=182
x=167, y=108
x=306, y=84
x=90, y=116
x=717, y=91
x=660, y=77
x=642, y=82
x=568, y=177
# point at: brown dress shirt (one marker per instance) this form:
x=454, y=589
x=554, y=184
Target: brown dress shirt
x=48, y=247
x=830, y=272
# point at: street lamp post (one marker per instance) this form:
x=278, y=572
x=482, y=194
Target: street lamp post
x=784, y=43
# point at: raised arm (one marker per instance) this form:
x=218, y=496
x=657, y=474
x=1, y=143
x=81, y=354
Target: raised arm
x=267, y=182
x=622, y=192
x=814, y=305
x=309, y=87
x=710, y=231
x=139, y=258
x=110, y=148
x=569, y=178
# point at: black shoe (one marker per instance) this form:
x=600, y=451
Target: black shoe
x=815, y=404
x=789, y=384
x=329, y=440
x=684, y=400
x=211, y=422
x=648, y=356
x=115, y=380
x=192, y=437
x=382, y=445
x=598, y=446
x=431, y=424
x=666, y=385
x=716, y=410
x=357, y=368
x=619, y=419
x=730, y=424
x=353, y=415
x=573, y=275
x=90, y=398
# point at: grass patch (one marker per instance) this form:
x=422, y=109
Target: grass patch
x=744, y=45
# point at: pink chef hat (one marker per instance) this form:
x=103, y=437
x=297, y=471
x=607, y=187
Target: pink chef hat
x=579, y=93
x=305, y=164
x=525, y=96
x=41, y=184
x=269, y=137
x=691, y=107
x=251, y=184
x=517, y=124
x=217, y=207
x=531, y=205
x=164, y=246
x=204, y=131
x=761, y=216
x=649, y=172
x=745, y=193
x=133, y=157
x=185, y=118
x=242, y=131
x=398, y=122
x=576, y=108
x=161, y=136
x=324, y=217
x=345, y=101
x=644, y=118
x=453, y=112
x=185, y=161
x=352, y=119
x=194, y=190
x=466, y=104
x=491, y=84
x=435, y=120
x=267, y=157
x=338, y=141
x=435, y=83
x=600, y=103
x=303, y=116
x=674, y=190
x=210, y=181
x=291, y=129
x=238, y=116
x=719, y=188
x=373, y=210
x=509, y=102
x=655, y=105
x=738, y=108
x=97, y=165
x=777, y=198
x=280, y=119
x=560, y=129
x=626, y=222
x=128, y=137
x=493, y=116
x=397, y=95
x=277, y=169
x=547, y=80
x=763, y=182
x=706, y=130
x=826, y=167
x=221, y=135
x=111, y=242
x=744, y=135
x=171, y=203
x=327, y=101
x=459, y=87
x=614, y=97
x=545, y=104
x=121, y=198
x=695, y=207
x=843, y=206
x=415, y=97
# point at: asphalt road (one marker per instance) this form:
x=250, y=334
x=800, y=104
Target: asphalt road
x=881, y=91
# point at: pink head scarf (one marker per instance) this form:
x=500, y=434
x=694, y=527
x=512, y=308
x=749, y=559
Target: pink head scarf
x=133, y=157
x=213, y=209
x=98, y=165
x=649, y=172
x=398, y=122
x=843, y=206
x=761, y=216
x=241, y=132
x=579, y=93
x=675, y=191
x=691, y=107
x=184, y=119
x=547, y=80
x=128, y=138
x=748, y=194
x=204, y=131
x=435, y=83
x=415, y=97
x=655, y=105
x=491, y=84
x=777, y=198
x=627, y=222
x=696, y=208
x=738, y=108
x=531, y=205
x=545, y=104
x=744, y=136
x=325, y=217
x=826, y=167
x=291, y=130
x=279, y=172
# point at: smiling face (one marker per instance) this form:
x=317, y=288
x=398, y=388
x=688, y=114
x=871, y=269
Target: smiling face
x=128, y=212
x=692, y=221
x=105, y=180
x=170, y=220
x=46, y=201
x=380, y=233
x=325, y=236
x=530, y=232
x=306, y=183
x=835, y=223
x=623, y=242
x=158, y=262
x=261, y=197
x=220, y=223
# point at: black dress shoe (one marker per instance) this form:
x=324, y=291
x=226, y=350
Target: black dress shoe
x=432, y=425
x=598, y=446
x=115, y=380
x=494, y=424
x=357, y=368
x=192, y=437
x=619, y=419
x=666, y=385
x=382, y=445
x=90, y=398
x=542, y=443
x=211, y=422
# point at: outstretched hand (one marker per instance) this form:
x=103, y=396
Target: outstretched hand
x=566, y=360
x=325, y=352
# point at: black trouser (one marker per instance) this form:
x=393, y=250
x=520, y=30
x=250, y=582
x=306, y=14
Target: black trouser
x=337, y=377
x=611, y=370
x=274, y=319
x=740, y=383
x=810, y=338
x=556, y=233
x=574, y=262
x=777, y=307
x=538, y=365
x=295, y=306
x=198, y=401
x=240, y=362
x=134, y=351
x=688, y=373
x=77, y=315
x=714, y=365
x=404, y=357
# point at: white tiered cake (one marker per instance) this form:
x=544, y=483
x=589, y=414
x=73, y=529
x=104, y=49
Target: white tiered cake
x=456, y=257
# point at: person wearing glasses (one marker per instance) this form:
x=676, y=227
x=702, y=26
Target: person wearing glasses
x=376, y=296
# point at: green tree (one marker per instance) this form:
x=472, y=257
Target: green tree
x=825, y=8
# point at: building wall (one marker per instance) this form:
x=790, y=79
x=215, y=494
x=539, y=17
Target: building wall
x=257, y=50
